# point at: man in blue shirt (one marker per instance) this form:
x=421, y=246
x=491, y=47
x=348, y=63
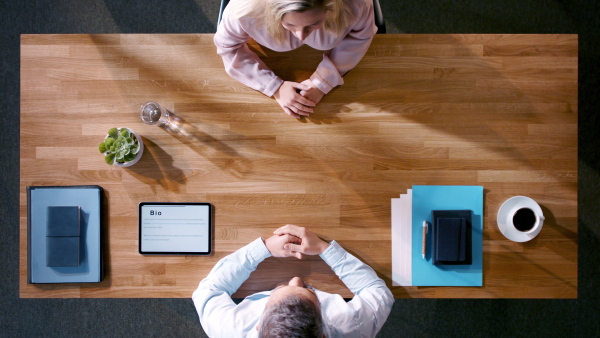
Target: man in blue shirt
x=292, y=309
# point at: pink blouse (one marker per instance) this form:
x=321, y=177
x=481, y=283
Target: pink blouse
x=342, y=53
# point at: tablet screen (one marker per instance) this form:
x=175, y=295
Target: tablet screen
x=175, y=228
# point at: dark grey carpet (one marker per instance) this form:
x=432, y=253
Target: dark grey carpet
x=410, y=317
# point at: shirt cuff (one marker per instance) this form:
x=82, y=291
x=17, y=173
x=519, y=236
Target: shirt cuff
x=272, y=87
x=257, y=251
x=333, y=253
x=321, y=84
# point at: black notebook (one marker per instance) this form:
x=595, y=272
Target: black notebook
x=451, y=234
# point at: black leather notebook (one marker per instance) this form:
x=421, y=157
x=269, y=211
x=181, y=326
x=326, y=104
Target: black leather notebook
x=451, y=237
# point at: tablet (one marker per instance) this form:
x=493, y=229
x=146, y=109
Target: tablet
x=175, y=228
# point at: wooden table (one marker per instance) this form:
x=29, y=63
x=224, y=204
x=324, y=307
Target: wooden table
x=493, y=110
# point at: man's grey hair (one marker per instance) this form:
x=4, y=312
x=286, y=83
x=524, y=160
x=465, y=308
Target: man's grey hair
x=292, y=317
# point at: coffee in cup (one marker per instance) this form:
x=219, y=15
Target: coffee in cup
x=525, y=219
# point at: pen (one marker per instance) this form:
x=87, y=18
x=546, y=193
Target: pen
x=424, y=245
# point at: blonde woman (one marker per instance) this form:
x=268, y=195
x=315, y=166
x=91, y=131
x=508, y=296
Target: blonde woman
x=342, y=28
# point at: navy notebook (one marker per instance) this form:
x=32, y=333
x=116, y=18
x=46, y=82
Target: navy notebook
x=63, y=236
x=451, y=237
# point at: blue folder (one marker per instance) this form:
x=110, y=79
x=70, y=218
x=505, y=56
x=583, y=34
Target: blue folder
x=91, y=265
x=425, y=199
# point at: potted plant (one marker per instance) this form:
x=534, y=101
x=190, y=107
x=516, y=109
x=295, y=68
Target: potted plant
x=122, y=147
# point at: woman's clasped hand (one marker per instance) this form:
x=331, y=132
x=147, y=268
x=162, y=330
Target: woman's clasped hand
x=298, y=99
x=293, y=103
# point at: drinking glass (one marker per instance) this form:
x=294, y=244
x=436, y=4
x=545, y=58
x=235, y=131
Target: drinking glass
x=152, y=113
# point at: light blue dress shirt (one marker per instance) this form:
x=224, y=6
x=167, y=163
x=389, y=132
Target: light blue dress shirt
x=363, y=316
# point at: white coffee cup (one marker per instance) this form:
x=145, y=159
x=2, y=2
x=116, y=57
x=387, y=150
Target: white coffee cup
x=520, y=219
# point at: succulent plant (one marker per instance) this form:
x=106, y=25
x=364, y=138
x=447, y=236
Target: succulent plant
x=120, y=146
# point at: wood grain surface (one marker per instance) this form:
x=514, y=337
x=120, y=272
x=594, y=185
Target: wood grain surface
x=493, y=110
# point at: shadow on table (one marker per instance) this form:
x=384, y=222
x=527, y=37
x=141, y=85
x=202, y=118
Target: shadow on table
x=169, y=177
x=210, y=147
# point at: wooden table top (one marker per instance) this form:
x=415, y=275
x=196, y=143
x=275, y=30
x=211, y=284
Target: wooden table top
x=493, y=110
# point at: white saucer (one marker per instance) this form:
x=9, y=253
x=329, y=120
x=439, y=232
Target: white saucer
x=509, y=231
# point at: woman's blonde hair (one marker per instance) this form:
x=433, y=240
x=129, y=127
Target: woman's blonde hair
x=270, y=13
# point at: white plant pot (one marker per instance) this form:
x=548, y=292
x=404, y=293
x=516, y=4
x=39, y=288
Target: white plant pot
x=138, y=137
